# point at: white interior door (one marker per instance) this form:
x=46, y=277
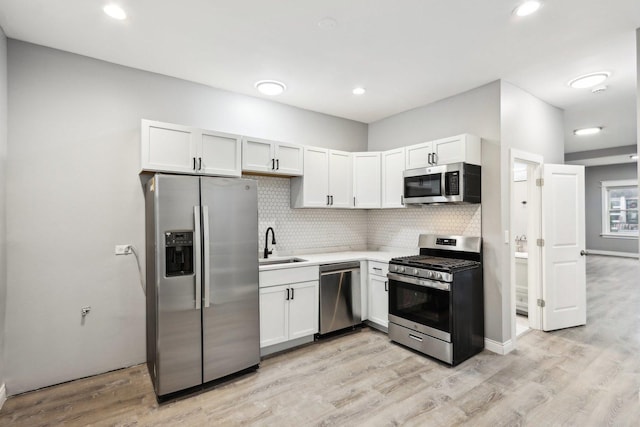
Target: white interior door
x=563, y=262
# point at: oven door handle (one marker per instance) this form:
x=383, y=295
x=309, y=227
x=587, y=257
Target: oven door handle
x=443, y=286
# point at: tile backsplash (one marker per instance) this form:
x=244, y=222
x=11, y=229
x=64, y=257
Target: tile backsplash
x=399, y=228
x=318, y=230
x=298, y=230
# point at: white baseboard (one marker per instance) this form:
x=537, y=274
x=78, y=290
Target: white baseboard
x=498, y=347
x=3, y=395
x=612, y=253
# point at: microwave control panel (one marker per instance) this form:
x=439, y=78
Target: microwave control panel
x=452, y=183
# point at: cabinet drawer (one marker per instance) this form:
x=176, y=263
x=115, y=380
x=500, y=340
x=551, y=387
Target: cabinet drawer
x=285, y=276
x=378, y=268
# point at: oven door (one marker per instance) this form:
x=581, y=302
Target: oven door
x=421, y=305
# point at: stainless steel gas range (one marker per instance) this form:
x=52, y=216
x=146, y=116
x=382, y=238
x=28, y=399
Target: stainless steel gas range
x=436, y=299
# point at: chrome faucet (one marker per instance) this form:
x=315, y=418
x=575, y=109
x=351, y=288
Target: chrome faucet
x=266, y=242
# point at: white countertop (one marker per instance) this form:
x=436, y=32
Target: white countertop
x=332, y=257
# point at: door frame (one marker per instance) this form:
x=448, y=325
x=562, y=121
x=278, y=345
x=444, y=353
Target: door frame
x=534, y=163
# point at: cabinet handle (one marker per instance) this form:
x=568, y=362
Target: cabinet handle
x=273, y=164
x=429, y=158
x=386, y=286
x=199, y=163
x=287, y=294
x=435, y=159
x=194, y=163
x=328, y=200
x=354, y=201
x=331, y=200
x=377, y=268
x=277, y=164
x=292, y=293
x=402, y=200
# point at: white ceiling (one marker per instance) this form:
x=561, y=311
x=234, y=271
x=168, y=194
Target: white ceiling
x=406, y=53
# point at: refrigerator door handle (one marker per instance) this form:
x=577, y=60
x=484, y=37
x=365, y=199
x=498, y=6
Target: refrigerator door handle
x=197, y=255
x=207, y=267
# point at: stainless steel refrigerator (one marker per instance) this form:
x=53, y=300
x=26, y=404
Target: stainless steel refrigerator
x=203, y=319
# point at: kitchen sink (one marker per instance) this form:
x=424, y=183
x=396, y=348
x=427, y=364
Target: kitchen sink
x=280, y=261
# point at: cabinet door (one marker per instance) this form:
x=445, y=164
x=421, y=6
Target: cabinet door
x=417, y=156
x=289, y=159
x=166, y=147
x=303, y=310
x=340, y=187
x=366, y=180
x=257, y=155
x=274, y=315
x=220, y=154
x=461, y=148
x=316, y=177
x=378, y=300
x=393, y=162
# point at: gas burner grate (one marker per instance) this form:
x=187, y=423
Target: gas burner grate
x=433, y=262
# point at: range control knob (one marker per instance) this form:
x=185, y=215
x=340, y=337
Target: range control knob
x=430, y=274
x=414, y=271
x=438, y=276
x=400, y=269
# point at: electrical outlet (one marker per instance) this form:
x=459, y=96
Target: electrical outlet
x=123, y=249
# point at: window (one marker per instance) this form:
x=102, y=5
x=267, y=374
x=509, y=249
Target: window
x=620, y=208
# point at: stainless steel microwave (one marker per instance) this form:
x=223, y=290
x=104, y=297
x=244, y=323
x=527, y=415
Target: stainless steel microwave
x=452, y=183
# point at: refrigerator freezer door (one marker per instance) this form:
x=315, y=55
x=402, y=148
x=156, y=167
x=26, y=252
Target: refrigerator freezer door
x=178, y=321
x=231, y=318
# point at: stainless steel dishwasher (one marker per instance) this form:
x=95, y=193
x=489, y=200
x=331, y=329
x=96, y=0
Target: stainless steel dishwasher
x=340, y=305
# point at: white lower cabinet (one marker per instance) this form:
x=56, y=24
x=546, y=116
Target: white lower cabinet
x=288, y=311
x=378, y=294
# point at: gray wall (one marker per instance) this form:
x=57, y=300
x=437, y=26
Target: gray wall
x=593, y=205
x=73, y=192
x=531, y=125
x=3, y=210
x=477, y=112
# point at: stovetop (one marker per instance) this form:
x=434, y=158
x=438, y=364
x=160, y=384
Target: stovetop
x=435, y=263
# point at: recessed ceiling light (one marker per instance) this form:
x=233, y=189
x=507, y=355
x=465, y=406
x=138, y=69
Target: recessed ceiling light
x=359, y=91
x=589, y=80
x=115, y=11
x=328, y=23
x=527, y=8
x=587, y=131
x=270, y=87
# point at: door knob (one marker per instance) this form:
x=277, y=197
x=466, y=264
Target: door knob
x=583, y=253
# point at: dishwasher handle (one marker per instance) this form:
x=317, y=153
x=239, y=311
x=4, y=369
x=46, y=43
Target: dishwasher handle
x=340, y=267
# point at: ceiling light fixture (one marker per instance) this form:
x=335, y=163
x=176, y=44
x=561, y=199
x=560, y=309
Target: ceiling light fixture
x=527, y=8
x=589, y=80
x=587, y=131
x=359, y=91
x=115, y=11
x=270, y=87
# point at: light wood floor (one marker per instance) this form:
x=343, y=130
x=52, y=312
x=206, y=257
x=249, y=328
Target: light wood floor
x=585, y=376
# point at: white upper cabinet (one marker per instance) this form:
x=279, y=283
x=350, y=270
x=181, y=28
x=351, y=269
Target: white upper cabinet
x=270, y=157
x=326, y=182
x=167, y=147
x=460, y=148
x=366, y=180
x=340, y=188
x=393, y=163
